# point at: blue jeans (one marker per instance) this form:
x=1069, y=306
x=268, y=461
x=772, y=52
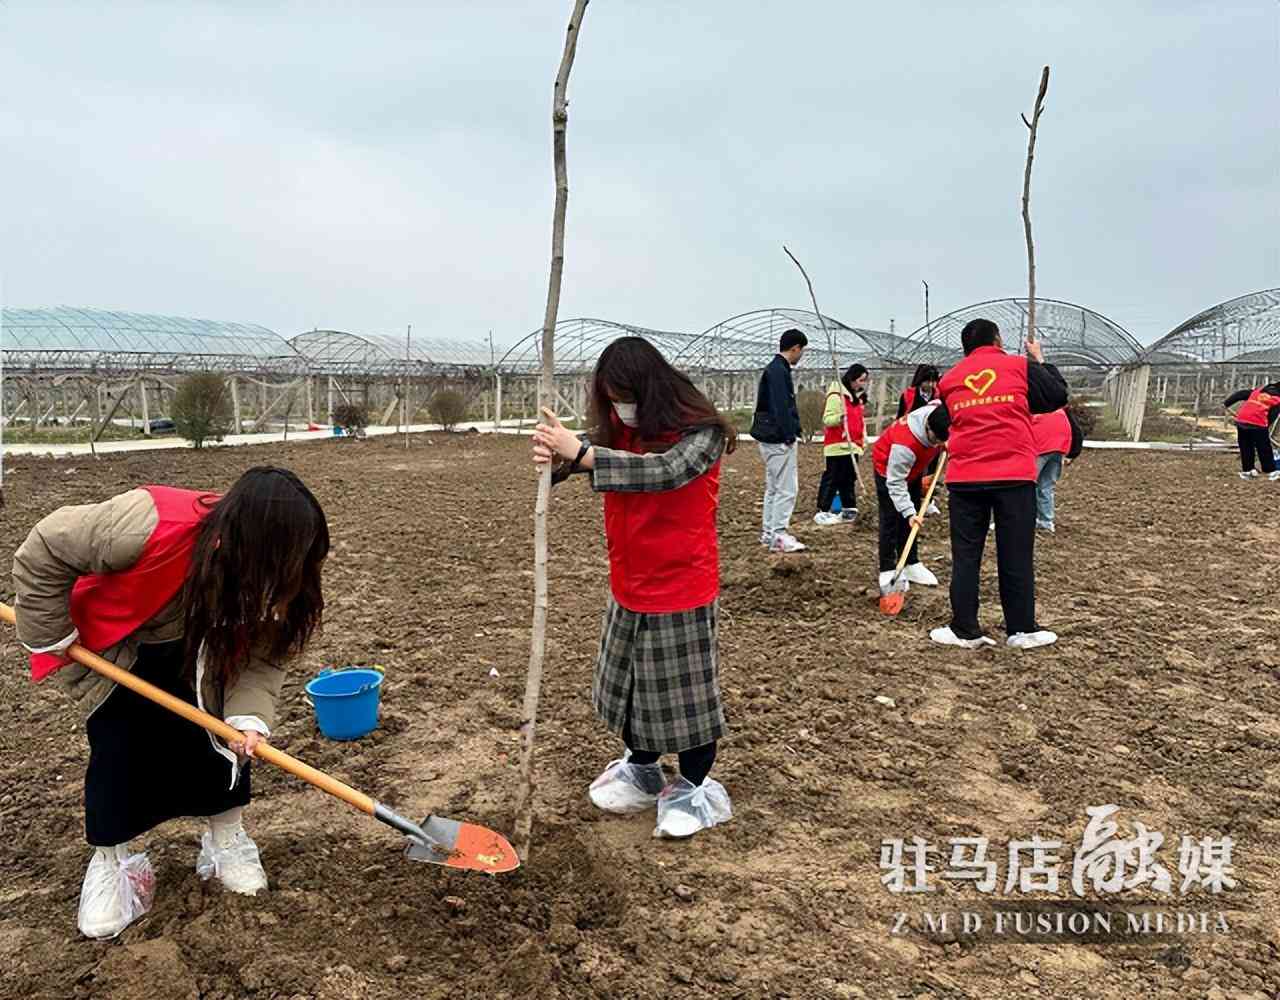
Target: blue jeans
x=1048, y=471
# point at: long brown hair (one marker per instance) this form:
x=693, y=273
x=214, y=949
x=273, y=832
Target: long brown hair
x=667, y=401
x=255, y=573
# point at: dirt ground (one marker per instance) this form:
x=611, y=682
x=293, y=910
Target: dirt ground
x=1160, y=698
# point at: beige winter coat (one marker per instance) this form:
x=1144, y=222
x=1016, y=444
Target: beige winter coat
x=107, y=538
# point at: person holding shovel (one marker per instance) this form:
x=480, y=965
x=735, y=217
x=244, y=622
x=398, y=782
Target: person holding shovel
x=653, y=449
x=1258, y=410
x=990, y=396
x=901, y=456
x=204, y=596
x=845, y=402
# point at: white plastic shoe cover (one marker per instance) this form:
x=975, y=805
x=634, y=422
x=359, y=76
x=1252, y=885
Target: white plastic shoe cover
x=237, y=865
x=625, y=788
x=685, y=808
x=118, y=889
x=919, y=573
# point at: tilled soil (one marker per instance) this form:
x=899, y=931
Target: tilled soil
x=1160, y=698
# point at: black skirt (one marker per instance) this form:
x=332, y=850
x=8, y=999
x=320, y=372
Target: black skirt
x=148, y=765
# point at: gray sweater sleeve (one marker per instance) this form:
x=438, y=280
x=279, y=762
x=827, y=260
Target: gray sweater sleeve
x=901, y=460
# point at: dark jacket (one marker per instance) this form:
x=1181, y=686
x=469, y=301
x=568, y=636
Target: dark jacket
x=777, y=418
x=1077, y=437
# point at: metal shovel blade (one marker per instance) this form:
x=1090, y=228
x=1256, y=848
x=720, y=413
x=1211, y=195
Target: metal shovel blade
x=462, y=845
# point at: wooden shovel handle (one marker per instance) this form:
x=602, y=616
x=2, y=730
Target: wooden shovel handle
x=924, y=505
x=264, y=751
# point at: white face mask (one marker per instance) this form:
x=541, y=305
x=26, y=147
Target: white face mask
x=626, y=413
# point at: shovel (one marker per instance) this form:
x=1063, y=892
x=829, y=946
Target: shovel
x=438, y=840
x=893, y=594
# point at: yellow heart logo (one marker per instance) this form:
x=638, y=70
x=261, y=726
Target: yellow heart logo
x=981, y=381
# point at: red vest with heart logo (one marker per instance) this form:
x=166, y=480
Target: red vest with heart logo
x=663, y=551
x=899, y=433
x=1254, y=410
x=991, y=439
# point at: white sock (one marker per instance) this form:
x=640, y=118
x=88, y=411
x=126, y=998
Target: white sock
x=225, y=826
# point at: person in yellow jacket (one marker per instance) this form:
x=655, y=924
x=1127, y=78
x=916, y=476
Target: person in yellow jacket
x=842, y=417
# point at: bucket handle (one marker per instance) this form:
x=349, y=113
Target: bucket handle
x=329, y=670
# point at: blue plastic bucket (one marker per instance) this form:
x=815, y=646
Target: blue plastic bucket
x=346, y=702
x=835, y=504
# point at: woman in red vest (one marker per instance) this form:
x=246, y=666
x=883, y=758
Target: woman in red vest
x=206, y=597
x=991, y=472
x=1058, y=440
x=922, y=391
x=653, y=450
x=844, y=409
x=1258, y=411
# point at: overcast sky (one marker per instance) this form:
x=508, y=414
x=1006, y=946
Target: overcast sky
x=361, y=166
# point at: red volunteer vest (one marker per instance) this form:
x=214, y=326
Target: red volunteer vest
x=1253, y=411
x=899, y=433
x=1051, y=432
x=853, y=413
x=109, y=607
x=991, y=440
x=663, y=550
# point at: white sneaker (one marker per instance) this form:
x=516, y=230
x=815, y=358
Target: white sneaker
x=1032, y=640
x=945, y=637
x=826, y=518
x=932, y=508
x=1275, y=476
x=624, y=788
x=886, y=578
x=234, y=859
x=1045, y=526
x=118, y=889
x=919, y=573
x=784, y=543
x=1246, y=475
x=685, y=808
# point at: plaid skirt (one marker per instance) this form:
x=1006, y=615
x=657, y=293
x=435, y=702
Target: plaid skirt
x=661, y=669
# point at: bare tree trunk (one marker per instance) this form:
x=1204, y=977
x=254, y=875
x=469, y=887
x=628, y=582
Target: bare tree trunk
x=835, y=367
x=1026, y=204
x=533, y=683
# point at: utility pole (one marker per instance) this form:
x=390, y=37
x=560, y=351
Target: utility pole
x=404, y=399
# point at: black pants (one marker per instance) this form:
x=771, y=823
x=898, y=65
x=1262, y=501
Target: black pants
x=840, y=476
x=894, y=528
x=1014, y=510
x=1253, y=440
x=148, y=765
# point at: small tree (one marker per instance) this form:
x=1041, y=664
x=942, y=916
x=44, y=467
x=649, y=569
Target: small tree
x=1085, y=415
x=202, y=409
x=811, y=404
x=351, y=417
x=449, y=408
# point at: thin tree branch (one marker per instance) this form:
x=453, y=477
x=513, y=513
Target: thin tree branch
x=835, y=365
x=1026, y=205
x=546, y=397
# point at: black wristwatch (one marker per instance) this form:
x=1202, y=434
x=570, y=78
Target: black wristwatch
x=573, y=466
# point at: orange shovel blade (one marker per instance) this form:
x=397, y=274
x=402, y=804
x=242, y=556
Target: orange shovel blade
x=464, y=845
x=892, y=604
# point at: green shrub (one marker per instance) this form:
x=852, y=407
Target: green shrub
x=449, y=408
x=811, y=403
x=202, y=409
x=351, y=417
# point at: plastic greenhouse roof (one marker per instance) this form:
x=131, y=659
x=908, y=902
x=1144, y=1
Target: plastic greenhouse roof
x=66, y=338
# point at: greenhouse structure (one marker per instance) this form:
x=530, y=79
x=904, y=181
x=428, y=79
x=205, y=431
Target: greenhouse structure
x=93, y=367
